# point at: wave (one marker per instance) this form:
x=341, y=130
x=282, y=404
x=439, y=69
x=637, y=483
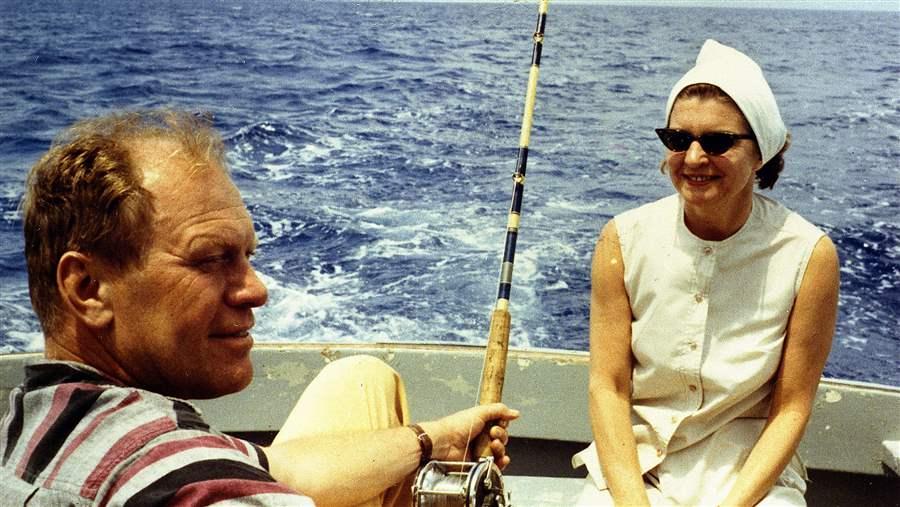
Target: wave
x=373, y=144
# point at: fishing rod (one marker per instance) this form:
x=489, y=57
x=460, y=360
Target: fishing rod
x=458, y=484
x=494, y=371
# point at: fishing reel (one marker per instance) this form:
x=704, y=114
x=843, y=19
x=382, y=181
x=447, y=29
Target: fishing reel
x=460, y=484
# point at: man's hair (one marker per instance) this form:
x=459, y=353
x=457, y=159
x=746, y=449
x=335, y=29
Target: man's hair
x=768, y=173
x=86, y=195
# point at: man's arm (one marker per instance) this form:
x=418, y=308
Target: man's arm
x=351, y=468
x=807, y=343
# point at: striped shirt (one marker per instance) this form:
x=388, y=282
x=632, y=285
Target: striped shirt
x=75, y=437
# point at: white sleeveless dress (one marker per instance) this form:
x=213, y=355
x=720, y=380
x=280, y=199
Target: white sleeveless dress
x=707, y=335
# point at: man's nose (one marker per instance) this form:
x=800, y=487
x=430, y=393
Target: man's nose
x=249, y=290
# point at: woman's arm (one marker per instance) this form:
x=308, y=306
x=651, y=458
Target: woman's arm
x=610, y=372
x=809, y=332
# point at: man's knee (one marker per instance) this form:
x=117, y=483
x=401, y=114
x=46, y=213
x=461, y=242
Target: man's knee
x=362, y=367
x=369, y=385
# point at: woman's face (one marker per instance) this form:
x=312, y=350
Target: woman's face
x=713, y=182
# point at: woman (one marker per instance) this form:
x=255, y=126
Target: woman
x=712, y=312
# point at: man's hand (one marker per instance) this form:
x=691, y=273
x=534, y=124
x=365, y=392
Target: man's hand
x=451, y=435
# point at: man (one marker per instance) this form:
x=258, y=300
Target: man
x=138, y=248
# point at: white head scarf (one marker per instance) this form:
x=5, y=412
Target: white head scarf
x=741, y=78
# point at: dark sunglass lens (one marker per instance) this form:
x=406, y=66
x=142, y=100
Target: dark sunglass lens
x=681, y=141
x=716, y=143
x=675, y=140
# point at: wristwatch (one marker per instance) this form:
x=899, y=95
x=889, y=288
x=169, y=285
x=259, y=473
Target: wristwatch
x=425, y=443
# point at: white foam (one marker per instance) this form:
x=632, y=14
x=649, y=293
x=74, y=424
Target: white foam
x=30, y=342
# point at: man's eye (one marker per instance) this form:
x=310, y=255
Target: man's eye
x=213, y=260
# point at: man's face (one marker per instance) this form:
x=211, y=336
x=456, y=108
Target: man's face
x=182, y=319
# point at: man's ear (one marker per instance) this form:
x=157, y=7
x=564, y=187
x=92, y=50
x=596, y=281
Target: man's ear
x=82, y=284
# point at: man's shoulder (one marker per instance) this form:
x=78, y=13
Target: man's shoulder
x=72, y=431
x=68, y=424
x=76, y=401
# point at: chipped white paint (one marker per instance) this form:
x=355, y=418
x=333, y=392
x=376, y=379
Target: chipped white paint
x=523, y=363
x=295, y=374
x=330, y=355
x=522, y=401
x=458, y=385
x=573, y=361
x=832, y=396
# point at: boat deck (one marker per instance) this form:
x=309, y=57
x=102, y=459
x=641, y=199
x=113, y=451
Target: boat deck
x=532, y=491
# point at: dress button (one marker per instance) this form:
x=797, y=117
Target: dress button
x=693, y=345
x=698, y=297
x=692, y=387
x=707, y=250
x=659, y=452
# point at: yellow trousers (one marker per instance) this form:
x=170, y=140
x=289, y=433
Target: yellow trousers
x=352, y=394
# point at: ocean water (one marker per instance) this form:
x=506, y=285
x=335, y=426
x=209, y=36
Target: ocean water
x=374, y=144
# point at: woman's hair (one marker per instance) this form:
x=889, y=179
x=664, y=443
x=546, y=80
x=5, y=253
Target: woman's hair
x=86, y=195
x=768, y=173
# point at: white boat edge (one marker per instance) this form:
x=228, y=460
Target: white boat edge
x=853, y=429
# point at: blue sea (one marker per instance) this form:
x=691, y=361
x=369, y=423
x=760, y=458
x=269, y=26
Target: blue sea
x=374, y=144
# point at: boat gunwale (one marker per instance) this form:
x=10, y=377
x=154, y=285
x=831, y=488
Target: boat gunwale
x=847, y=431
